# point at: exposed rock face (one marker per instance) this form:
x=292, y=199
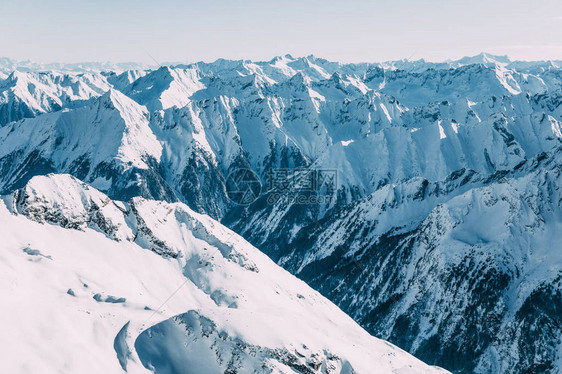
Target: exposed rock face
x=465, y=280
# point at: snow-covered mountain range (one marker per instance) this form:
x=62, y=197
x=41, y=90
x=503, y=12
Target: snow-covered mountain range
x=440, y=233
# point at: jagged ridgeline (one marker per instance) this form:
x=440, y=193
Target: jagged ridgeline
x=442, y=233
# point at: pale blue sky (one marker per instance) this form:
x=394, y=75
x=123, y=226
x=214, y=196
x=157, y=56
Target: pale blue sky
x=193, y=30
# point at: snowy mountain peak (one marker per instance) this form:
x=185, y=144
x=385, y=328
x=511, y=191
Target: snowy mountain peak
x=63, y=200
x=15, y=76
x=165, y=88
x=131, y=111
x=483, y=58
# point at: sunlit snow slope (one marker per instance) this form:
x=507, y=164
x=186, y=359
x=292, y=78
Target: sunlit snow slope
x=91, y=285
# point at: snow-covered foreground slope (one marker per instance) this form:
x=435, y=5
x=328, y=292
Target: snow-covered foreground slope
x=92, y=285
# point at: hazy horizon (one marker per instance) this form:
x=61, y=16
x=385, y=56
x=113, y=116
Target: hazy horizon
x=171, y=63
x=353, y=31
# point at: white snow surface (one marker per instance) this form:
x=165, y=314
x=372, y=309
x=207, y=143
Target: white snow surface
x=68, y=292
